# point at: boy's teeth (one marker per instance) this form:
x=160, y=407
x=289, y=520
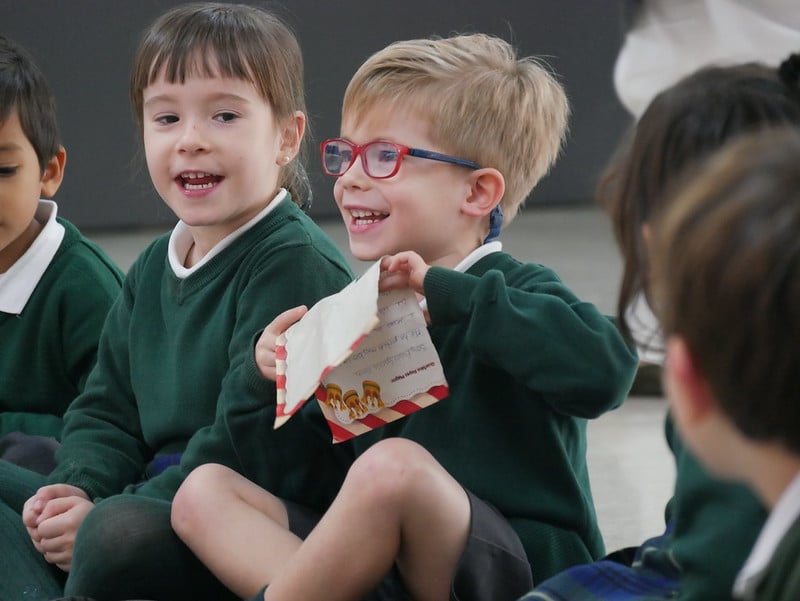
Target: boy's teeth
x=366, y=217
x=362, y=217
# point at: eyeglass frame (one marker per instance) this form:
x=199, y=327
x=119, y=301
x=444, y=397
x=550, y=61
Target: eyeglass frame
x=402, y=151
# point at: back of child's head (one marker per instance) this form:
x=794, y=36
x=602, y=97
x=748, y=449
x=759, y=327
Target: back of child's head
x=726, y=269
x=23, y=88
x=479, y=100
x=683, y=125
x=214, y=39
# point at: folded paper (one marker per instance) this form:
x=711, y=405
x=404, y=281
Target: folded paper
x=365, y=355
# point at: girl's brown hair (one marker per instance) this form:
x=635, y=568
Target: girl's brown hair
x=212, y=39
x=726, y=279
x=682, y=126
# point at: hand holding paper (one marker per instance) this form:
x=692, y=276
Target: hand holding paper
x=403, y=270
x=267, y=342
x=367, y=356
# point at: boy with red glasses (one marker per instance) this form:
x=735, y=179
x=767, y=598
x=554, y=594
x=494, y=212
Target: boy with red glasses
x=487, y=491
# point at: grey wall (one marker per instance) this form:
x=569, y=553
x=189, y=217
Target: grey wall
x=85, y=49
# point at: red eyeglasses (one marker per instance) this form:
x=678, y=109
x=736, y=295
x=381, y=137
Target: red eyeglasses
x=379, y=159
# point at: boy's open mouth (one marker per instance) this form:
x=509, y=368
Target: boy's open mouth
x=361, y=217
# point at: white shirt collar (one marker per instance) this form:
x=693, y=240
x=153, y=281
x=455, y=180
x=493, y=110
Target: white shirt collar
x=470, y=260
x=780, y=520
x=18, y=283
x=478, y=254
x=180, y=240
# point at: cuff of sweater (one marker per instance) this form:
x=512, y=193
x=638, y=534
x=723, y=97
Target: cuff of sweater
x=448, y=294
x=90, y=486
x=255, y=381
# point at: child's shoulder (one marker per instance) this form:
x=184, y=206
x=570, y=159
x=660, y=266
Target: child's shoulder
x=291, y=233
x=782, y=579
x=82, y=260
x=515, y=271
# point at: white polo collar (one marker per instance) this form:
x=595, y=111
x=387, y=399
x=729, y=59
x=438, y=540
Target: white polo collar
x=18, y=283
x=779, y=522
x=180, y=240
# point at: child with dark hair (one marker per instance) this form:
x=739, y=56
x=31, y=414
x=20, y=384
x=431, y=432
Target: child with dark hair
x=711, y=525
x=726, y=279
x=56, y=286
x=217, y=90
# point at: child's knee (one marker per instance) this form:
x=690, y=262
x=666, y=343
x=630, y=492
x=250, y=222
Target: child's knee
x=390, y=470
x=197, y=496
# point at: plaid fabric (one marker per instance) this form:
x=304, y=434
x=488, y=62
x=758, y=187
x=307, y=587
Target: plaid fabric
x=652, y=576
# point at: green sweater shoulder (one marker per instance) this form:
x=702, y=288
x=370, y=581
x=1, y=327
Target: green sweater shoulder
x=55, y=338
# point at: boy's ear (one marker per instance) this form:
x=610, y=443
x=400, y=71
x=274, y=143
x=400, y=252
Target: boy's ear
x=690, y=395
x=487, y=186
x=291, y=136
x=54, y=173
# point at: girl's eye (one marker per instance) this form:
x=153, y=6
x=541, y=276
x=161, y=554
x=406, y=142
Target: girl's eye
x=8, y=171
x=226, y=116
x=166, y=119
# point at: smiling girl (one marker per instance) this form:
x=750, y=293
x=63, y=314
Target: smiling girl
x=217, y=90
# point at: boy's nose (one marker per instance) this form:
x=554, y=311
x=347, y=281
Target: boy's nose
x=355, y=176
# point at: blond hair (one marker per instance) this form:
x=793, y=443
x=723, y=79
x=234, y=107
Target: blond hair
x=482, y=103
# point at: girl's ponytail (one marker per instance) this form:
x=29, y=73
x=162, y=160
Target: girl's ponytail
x=296, y=182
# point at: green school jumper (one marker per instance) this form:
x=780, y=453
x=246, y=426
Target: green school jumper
x=47, y=351
x=781, y=582
x=527, y=364
x=173, y=362
x=715, y=525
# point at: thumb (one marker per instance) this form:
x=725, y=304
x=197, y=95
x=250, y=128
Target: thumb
x=286, y=319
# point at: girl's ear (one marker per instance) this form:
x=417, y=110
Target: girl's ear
x=291, y=137
x=486, y=188
x=53, y=173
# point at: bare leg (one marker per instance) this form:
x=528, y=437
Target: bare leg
x=237, y=529
x=396, y=504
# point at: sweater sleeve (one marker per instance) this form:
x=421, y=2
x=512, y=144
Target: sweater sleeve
x=242, y=436
x=527, y=323
x=84, y=312
x=102, y=448
x=40, y=424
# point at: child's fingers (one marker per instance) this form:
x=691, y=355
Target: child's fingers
x=30, y=512
x=285, y=320
x=393, y=281
x=58, y=506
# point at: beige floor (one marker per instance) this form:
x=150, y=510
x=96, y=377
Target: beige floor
x=631, y=469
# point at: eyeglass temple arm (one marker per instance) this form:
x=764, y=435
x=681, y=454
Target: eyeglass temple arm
x=437, y=156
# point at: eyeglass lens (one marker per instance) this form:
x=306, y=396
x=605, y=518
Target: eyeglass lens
x=379, y=159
